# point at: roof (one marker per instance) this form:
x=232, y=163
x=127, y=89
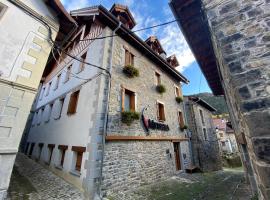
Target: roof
x=173, y=60
x=192, y=20
x=153, y=40
x=110, y=20
x=202, y=103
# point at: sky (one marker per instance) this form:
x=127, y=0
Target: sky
x=151, y=12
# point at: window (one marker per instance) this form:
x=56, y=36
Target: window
x=3, y=9
x=48, y=89
x=82, y=65
x=50, y=152
x=72, y=106
x=204, y=134
x=128, y=100
x=202, y=118
x=40, y=147
x=26, y=148
x=160, y=112
x=31, y=149
x=181, y=119
x=178, y=92
x=57, y=81
x=68, y=73
x=62, y=149
x=129, y=58
x=49, y=112
x=158, y=78
x=78, y=157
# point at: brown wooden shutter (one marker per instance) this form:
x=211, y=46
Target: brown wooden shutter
x=158, y=116
x=127, y=58
x=132, y=102
x=162, y=114
x=131, y=59
x=123, y=99
x=72, y=107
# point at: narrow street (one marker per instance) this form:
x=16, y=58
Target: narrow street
x=31, y=181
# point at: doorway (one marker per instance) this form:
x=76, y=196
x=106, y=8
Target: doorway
x=176, y=147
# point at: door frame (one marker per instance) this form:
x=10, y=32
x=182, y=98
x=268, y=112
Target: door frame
x=177, y=156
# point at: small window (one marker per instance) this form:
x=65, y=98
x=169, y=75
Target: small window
x=202, y=118
x=158, y=78
x=68, y=73
x=3, y=9
x=72, y=106
x=50, y=152
x=178, y=92
x=62, y=149
x=78, y=157
x=204, y=134
x=40, y=147
x=26, y=148
x=128, y=100
x=160, y=112
x=31, y=149
x=129, y=58
x=49, y=88
x=82, y=64
x=58, y=78
x=181, y=119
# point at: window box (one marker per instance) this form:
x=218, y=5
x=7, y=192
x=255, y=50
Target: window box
x=160, y=89
x=131, y=71
x=129, y=116
x=179, y=99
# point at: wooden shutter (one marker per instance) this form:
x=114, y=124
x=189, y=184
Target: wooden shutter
x=132, y=102
x=79, y=161
x=72, y=107
x=123, y=99
x=127, y=58
x=162, y=112
x=131, y=59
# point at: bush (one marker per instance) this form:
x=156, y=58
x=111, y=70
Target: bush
x=183, y=127
x=179, y=99
x=130, y=71
x=129, y=116
x=161, y=88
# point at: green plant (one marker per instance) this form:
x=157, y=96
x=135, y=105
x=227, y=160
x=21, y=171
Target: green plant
x=161, y=88
x=129, y=116
x=183, y=127
x=179, y=99
x=131, y=71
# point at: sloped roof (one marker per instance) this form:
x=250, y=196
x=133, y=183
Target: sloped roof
x=202, y=103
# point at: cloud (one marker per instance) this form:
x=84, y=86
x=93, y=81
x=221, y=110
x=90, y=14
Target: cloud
x=75, y=4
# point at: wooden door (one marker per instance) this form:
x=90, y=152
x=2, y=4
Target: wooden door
x=176, y=146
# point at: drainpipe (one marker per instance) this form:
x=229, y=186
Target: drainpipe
x=105, y=128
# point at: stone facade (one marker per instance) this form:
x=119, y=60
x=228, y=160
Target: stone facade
x=205, y=148
x=240, y=35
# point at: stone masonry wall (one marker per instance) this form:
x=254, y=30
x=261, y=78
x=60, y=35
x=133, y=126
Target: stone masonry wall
x=241, y=37
x=206, y=154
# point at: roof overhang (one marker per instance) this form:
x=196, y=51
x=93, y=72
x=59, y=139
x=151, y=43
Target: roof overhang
x=202, y=103
x=194, y=26
x=111, y=21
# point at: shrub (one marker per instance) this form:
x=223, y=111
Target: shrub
x=129, y=116
x=183, y=127
x=130, y=71
x=161, y=88
x=179, y=99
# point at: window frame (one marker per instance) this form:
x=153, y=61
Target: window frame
x=181, y=119
x=72, y=109
x=78, y=150
x=177, y=90
x=133, y=100
x=157, y=78
x=158, y=111
x=129, y=57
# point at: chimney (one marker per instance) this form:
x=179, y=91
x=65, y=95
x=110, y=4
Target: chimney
x=123, y=14
x=172, y=60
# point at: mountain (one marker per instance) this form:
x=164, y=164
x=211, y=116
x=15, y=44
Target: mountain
x=218, y=102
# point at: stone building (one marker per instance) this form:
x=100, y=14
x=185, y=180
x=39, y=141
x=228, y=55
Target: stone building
x=205, y=148
x=233, y=52
x=109, y=114
x=24, y=51
x=225, y=135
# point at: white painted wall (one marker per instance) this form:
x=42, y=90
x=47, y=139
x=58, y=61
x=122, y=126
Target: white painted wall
x=71, y=130
x=15, y=43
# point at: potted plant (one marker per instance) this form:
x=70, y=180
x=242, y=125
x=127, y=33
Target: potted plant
x=183, y=127
x=130, y=71
x=129, y=116
x=161, y=88
x=179, y=99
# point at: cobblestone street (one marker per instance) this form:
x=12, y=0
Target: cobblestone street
x=30, y=181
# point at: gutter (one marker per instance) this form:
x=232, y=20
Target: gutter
x=105, y=128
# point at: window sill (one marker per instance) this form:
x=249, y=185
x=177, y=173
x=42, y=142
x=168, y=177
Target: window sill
x=75, y=173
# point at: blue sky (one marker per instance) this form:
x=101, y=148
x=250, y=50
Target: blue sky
x=149, y=13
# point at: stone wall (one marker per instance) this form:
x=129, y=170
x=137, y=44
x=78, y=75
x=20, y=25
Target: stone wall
x=205, y=151
x=241, y=38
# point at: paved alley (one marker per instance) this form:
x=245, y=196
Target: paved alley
x=31, y=181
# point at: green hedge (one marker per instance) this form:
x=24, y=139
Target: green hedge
x=131, y=71
x=161, y=88
x=129, y=116
x=179, y=99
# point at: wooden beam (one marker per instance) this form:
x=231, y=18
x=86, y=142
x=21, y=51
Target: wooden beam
x=146, y=138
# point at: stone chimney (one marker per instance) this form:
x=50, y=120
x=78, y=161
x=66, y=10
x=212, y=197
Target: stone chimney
x=172, y=60
x=154, y=43
x=123, y=14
